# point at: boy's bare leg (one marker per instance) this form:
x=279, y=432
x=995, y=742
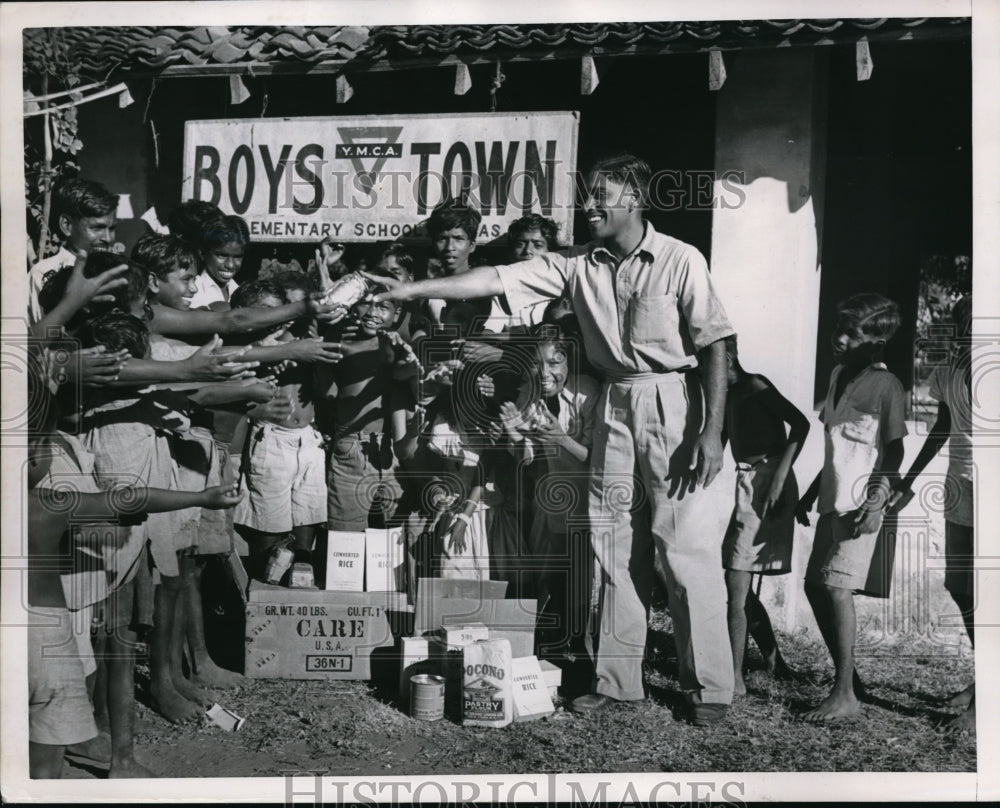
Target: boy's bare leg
x=966, y=698
x=738, y=587
x=98, y=748
x=178, y=635
x=763, y=634
x=45, y=761
x=120, y=659
x=166, y=700
x=819, y=600
x=205, y=671
x=840, y=635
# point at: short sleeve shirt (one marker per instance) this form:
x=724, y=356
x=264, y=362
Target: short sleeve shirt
x=869, y=415
x=208, y=291
x=37, y=276
x=948, y=385
x=650, y=312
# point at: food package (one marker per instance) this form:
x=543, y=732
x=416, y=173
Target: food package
x=487, y=696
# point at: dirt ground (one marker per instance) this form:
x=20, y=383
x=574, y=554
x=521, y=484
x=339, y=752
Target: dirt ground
x=358, y=728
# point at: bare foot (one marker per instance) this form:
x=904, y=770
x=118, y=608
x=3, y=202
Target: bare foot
x=192, y=693
x=171, y=704
x=739, y=687
x=834, y=707
x=961, y=699
x=128, y=767
x=96, y=750
x=966, y=722
x=211, y=675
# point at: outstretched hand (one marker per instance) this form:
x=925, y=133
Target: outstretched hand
x=91, y=366
x=327, y=256
x=81, y=290
x=395, y=289
x=211, y=363
x=219, y=497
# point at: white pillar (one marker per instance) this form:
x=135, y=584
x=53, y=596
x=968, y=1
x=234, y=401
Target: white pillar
x=770, y=159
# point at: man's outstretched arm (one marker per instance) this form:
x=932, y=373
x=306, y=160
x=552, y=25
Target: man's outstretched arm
x=478, y=282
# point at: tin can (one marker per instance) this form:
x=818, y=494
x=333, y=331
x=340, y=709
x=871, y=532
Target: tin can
x=347, y=291
x=427, y=696
x=278, y=563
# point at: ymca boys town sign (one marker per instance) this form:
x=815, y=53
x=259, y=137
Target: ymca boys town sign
x=377, y=177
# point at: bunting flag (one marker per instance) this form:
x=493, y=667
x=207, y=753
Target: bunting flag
x=863, y=60
x=150, y=218
x=344, y=89
x=125, y=99
x=716, y=70
x=238, y=92
x=124, y=207
x=463, y=79
x=588, y=76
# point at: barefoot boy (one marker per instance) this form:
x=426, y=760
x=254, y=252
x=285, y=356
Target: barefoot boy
x=864, y=429
x=60, y=711
x=362, y=412
x=284, y=462
x=951, y=386
x=759, y=536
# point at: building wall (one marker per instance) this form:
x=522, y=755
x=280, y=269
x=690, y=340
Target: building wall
x=766, y=250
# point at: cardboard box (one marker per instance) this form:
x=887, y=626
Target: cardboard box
x=385, y=557
x=446, y=603
x=552, y=675
x=447, y=661
x=345, y=561
x=414, y=658
x=531, y=693
x=463, y=635
x=313, y=634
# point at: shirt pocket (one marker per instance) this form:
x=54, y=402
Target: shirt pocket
x=654, y=318
x=860, y=426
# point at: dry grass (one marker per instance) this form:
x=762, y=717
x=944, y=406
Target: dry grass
x=357, y=728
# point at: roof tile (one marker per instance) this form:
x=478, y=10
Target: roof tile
x=101, y=50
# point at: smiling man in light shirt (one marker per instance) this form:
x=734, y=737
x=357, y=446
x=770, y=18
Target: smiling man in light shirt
x=649, y=317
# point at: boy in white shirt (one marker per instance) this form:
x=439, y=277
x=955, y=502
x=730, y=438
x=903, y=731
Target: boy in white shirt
x=864, y=430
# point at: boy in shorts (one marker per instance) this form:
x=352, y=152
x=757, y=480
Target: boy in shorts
x=864, y=430
x=759, y=537
x=951, y=387
x=284, y=462
x=60, y=710
x=362, y=411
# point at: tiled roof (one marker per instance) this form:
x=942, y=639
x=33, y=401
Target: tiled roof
x=422, y=40
x=103, y=50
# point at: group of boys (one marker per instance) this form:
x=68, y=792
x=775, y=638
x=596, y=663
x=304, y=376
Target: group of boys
x=417, y=405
